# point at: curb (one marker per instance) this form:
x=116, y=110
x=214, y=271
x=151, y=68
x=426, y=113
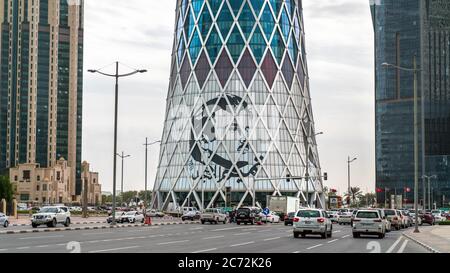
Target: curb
x=76, y=223
x=427, y=247
x=90, y=228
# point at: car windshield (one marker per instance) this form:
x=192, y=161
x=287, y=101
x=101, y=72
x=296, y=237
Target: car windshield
x=48, y=210
x=389, y=212
x=210, y=211
x=243, y=211
x=436, y=212
x=367, y=214
x=308, y=214
x=131, y=213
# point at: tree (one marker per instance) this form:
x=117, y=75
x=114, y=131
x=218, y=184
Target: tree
x=6, y=189
x=354, y=195
x=368, y=200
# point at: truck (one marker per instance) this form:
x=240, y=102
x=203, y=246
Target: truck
x=284, y=204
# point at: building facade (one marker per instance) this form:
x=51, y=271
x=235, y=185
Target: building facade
x=404, y=28
x=41, y=64
x=239, y=117
x=94, y=188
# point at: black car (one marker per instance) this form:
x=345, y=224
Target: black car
x=289, y=219
x=247, y=216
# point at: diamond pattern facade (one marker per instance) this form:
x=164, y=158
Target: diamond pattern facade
x=238, y=107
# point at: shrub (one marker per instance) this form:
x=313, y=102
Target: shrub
x=445, y=223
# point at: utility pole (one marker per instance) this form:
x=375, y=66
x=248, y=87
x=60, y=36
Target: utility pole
x=123, y=156
x=146, y=169
x=349, y=185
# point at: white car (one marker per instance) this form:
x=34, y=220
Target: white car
x=4, y=222
x=270, y=218
x=312, y=221
x=132, y=217
x=344, y=218
x=413, y=219
x=368, y=222
x=51, y=216
x=438, y=216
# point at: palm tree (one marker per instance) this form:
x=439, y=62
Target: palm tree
x=354, y=195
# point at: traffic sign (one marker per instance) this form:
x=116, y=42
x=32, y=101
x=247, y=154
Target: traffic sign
x=266, y=211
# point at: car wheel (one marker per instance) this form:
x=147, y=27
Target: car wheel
x=380, y=236
x=203, y=222
x=238, y=223
x=324, y=235
x=224, y=222
x=355, y=235
x=67, y=222
x=6, y=224
x=54, y=223
x=296, y=234
x=330, y=233
x=303, y=235
x=285, y=223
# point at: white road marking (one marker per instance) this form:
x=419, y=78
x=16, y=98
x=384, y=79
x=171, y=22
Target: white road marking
x=271, y=239
x=239, y=234
x=337, y=231
x=174, y=242
x=61, y=244
x=215, y=237
x=196, y=228
x=92, y=242
x=99, y=233
x=224, y=229
x=3, y=250
x=243, y=244
x=332, y=241
x=264, y=230
x=394, y=245
x=402, y=248
x=24, y=247
x=42, y=246
x=113, y=249
x=296, y=252
x=41, y=237
x=315, y=246
x=206, y=250
x=345, y=236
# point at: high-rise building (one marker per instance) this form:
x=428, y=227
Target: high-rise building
x=41, y=80
x=404, y=28
x=238, y=107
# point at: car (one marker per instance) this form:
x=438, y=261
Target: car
x=344, y=218
x=248, y=215
x=155, y=213
x=385, y=220
x=428, y=218
x=132, y=217
x=272, y=217
x=394, y=217
x=75, y=209
x=119, y=214
x=213, y=216
x=438, y=216
x=333, y=216
x=289, y=219
x=191, y=215
x=412, y=216
x=4, y=222
x=312, y=221
x=368, y=222
x=51, y=216
x=407, y=222
x=354, y=212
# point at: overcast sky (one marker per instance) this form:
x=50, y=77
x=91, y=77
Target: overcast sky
x=139, y=33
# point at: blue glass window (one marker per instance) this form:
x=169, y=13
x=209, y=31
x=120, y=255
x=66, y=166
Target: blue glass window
x=247, y=20
x=215, y=6
x=197, y=5
x=205, y=23
x=293, y=49
x=278, y=46
x=276, y=6
x=181, y=48
x=285, y=24
x=235, y=6
x=184, y=6
x=189, y=25
x=257, y=6
x=214, y=45
x=258, y=44
x=235, y=44
x=225, y=21
x=195, y=47
x=267, y=22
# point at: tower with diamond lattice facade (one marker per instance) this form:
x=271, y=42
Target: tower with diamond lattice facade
x=238, y=107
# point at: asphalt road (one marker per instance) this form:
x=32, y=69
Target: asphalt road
x=228, y=238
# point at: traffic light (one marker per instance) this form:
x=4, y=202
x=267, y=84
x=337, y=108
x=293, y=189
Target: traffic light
x=325, y=176
x=288, y=179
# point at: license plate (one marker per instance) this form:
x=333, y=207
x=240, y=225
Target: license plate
x=366, y=224
x=307, y=222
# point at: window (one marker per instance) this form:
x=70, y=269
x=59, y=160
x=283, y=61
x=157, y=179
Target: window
x=16, y=178
x=26, y=175
x=37, y=188
x=44, y=187
x=58, y=176
x=24, y=197
x=38, y=178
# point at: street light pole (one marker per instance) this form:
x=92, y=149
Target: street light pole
x=116, y=76
x=146, y=169
x=416, y=136
x=349, y=185
x=123, y=156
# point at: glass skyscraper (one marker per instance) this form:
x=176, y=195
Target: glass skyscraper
x=41, y=80
x=238, y=106
x=404, y=28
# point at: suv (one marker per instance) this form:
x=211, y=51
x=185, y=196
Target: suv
x=368, y=222
x=394, y=217
x=213, y=216
x=51, y=216
x=247, y=215
x=312, y=221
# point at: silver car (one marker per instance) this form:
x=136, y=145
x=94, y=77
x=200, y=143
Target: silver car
x=4, y=220
x=312, y=221
x=368, y=222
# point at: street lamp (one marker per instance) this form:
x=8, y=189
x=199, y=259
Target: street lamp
x=146, y=165
x=123, y=156
x=429, y=188
x=116, y=76
x=349, y=185
x=416, y=136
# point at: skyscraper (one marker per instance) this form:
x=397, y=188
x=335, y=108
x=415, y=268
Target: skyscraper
x=41, y=49
x=238, y=106
x=404, y=28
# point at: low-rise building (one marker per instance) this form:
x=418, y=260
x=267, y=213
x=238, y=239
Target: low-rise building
x=94, y=191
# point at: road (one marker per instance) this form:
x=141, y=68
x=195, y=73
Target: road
x=207, y=238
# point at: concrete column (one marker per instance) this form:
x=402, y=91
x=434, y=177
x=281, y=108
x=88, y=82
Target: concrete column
x=3, y=206
x=14, y=209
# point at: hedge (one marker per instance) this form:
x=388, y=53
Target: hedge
x=445, y=223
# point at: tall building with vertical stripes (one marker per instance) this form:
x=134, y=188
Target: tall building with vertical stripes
x=239, y=118
x=41, y=64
